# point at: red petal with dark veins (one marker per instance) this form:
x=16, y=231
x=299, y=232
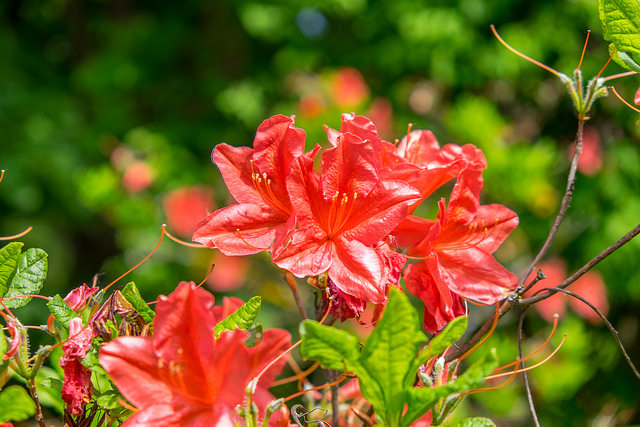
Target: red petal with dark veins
x=276, y=144
x=235, y=165
x=240, y=229
x=349, y=168
x=357, y=270
x=308, y=253
x=375, y=216
x=476, y=275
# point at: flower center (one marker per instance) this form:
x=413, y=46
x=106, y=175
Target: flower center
x=339, y=212
x=262, y=184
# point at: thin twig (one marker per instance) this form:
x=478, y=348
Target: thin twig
x=564, y=206
x=588, y=266
x=293, y=285
x=606, y=321
x=527, y=388
x=34, y=394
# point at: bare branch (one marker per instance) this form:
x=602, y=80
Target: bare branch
x=527, y=388
x=564, y=206
x=606, y=321
x=588, y=266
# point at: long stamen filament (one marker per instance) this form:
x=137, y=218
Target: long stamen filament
x=320, y=387
x=301, y=376
x=207, y=276
x=182, y=242
x=141, y=262
x=237, y=233
x=543, y=345
x=613, y=89
x=522, y=55
x=607, y=63
x=584, y=49
x=17, y=236
x=491, y=377
x=617, y=76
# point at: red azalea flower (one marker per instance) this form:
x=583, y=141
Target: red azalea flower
x=457, y=247
x=256, y=179
x=185, y=208
x=341, y=215
x=183, y=375
x=77, y=387
x=420, y=162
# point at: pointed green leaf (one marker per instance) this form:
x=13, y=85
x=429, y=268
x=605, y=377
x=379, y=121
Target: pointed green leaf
x=61, y=310
x=8, y=262
x=621, y=24
x=624, y=60
x=336, y=349
x=16, y=404
x=333, y=348
x=473, y=422
x=391, y=349
x=29, y=277
x=132, y=295
x=449, y=335
x=242, y=318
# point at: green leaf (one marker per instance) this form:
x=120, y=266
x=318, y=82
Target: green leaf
x=449, y=335
x=391, y=349
x=61, y=310
x=49, y=387
x=621, y=24
x=29, y=277
x=336, y=349
x=3, y=363
x=473, y=422
x=333, y=348
x=242, y=318
x=8, y=262
x=624, y=60
x=16, y=404
x=132, y=295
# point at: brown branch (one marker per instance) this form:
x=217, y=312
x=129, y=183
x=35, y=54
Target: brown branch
x=606, y=321
x=564, y=206
x=588, y=266
x=31, y=383
x=293, y=285
x=527, y=388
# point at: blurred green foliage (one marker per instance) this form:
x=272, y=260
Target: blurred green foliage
x=93, y=90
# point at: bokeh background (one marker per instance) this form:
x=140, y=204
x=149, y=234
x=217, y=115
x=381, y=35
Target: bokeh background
x=109, y=111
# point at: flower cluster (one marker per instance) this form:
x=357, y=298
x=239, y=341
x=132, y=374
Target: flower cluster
x=353, y=221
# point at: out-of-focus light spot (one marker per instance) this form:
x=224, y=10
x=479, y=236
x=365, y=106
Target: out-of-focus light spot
x=311, y=22
x=137, y=177
x=422, y=97
x=348, y=88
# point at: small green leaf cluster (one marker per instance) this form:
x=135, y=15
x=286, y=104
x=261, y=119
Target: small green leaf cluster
x=388, y=363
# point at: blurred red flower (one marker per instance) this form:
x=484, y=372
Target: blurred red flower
x=183, y=375
x=229, y=272
x=137, y=177
x=185, y=208
x=590, y=287
x=348, y=88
